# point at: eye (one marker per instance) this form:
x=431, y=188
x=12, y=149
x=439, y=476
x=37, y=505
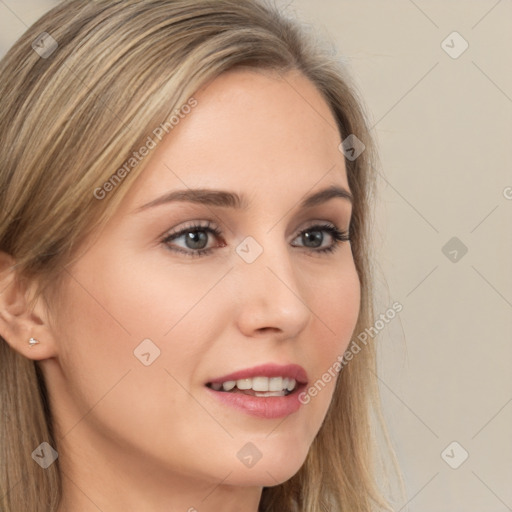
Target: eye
x=313, y=237
x=196, y=237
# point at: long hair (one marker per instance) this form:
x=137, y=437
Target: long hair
x=73, y=110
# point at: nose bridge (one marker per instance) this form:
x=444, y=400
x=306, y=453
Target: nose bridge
x=271, y=294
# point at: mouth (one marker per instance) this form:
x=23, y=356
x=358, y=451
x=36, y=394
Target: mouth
x=260, y=386
x=268, y=391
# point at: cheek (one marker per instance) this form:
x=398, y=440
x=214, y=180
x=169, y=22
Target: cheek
x=335, y=307
x=106, y=315
x=95, y=346
x=336, y=310
x=113, y=305
x=151, y=297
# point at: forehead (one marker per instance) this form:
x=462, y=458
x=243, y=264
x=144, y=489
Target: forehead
x=251, y=130
x=248, y=112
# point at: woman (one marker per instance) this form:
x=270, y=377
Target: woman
x=185, y=192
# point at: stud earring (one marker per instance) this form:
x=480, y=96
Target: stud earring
x=32, y=342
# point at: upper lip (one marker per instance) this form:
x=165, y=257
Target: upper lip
x=292, y=371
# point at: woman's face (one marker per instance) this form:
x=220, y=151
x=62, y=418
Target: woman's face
x=151, y=322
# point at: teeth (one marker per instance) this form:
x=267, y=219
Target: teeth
x=263, y=386
x=228, y=385
x=244, y=384
x=276, y=384
x=269, y=393
x=260, y=383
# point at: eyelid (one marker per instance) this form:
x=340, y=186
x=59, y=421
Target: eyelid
x=191, y=225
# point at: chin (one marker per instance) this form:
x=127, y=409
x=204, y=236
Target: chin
x=274, y=468
x=264, y=477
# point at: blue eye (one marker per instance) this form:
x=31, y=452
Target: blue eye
x=196, y=237
x=313, y=241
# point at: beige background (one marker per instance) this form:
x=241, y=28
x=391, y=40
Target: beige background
x=444, y=128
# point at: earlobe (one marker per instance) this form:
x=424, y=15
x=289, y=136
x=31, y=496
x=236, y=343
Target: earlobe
x=25, y=329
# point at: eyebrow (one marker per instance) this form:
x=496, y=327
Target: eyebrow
x=225, y=199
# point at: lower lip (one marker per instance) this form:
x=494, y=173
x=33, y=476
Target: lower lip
x=269, y=407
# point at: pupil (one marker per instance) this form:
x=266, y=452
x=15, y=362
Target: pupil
x=316, y=237
x=197, y=239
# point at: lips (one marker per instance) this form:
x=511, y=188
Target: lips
x=290, y=371
x=267, y=391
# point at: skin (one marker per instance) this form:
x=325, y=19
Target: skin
x=134, y=437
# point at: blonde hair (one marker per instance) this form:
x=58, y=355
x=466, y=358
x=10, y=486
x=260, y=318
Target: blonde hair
x=71, y=118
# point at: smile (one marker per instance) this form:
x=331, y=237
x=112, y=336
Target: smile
x=258, y=386
x=267, y=391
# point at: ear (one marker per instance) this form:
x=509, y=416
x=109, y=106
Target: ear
x=18, y=321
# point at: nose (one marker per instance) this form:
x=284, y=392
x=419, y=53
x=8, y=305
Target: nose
x=272, y=299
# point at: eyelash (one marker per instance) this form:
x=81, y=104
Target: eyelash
x=338, y=237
